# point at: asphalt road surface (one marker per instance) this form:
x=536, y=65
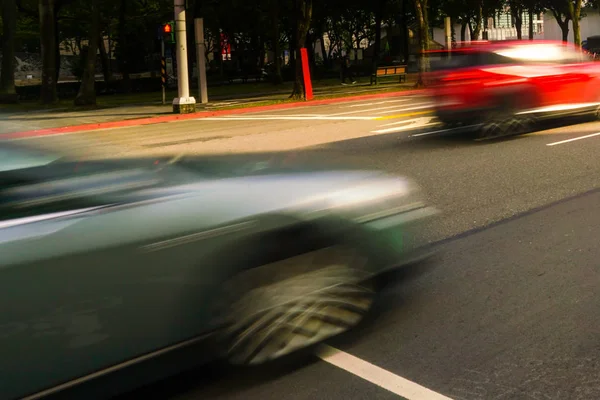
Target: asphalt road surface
x=510, y=312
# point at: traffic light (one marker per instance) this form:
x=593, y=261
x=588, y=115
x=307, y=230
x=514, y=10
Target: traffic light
x=168, y=32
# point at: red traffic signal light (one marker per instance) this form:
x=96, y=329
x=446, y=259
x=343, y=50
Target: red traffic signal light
x=167, y=28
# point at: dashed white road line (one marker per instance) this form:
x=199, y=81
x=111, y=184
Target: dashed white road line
x=402, y=128
x=432, y=132
x=404, y=122
x=365, y=110
x=387, y=109
x=284, y=118
x=573, y=139
x=378, y=103
x=418, y=107
x=376, y=375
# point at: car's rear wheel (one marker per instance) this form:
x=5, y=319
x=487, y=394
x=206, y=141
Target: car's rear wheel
x=297, y=302
x=505, y=121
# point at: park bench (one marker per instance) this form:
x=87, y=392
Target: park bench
x=396, y=70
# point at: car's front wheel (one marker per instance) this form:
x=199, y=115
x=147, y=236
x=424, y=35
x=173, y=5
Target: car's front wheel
x=297, y=302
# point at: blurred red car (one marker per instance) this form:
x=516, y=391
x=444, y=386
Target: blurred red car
x=504, y=86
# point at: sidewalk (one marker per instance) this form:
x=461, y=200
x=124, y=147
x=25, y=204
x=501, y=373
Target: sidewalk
x=13, y=121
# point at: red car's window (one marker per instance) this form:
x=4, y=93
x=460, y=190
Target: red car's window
x=543, y=53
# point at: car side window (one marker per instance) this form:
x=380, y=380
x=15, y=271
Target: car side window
x=495, y=59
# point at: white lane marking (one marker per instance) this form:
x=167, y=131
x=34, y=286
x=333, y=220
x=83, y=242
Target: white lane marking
x=284, y=117
x=406, y=121
x=365, y=110
x=573, y=139
x=431, y=133
x=376, y=375
x=421, y=107
x=402, y=128
x=377, y=103
x=393, y=109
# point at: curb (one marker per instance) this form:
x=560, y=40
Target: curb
x=198, y=115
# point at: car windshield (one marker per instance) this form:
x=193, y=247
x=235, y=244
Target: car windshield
x=467, y=59
x=542, y=53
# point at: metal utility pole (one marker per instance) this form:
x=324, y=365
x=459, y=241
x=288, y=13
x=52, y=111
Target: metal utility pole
x=448, y=33
x=184, y=103
x=201, y=59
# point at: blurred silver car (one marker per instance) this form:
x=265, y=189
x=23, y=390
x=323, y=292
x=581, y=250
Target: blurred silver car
x=114, y=265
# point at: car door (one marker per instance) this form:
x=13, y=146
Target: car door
x=81, y=286
x=577, y=76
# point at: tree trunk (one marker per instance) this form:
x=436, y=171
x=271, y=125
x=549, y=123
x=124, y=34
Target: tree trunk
x=478, y=22
x=463, y=32
x=565, y=33
x=87, y=89
x=403, y=23
x=530, y=12
x=471, y=32
x=326, y=61
x=123, y=62
x=564, y=28
x=8, y=93
x=422, y=18
x=105, y=64
x=48, y=43
x=304, y=15
x=377, y=46
x=293, y=45
x=576, y=32
x=575, y=14
x=277, y=78
x=517, y=14
x=519, y=27
x=310, y=48
x=57, y=42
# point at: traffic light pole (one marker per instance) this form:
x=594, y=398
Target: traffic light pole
x=163, y=71
x=184, y=103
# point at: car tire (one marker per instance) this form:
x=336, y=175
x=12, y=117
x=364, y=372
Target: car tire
x=294, y=303
x=504, y=121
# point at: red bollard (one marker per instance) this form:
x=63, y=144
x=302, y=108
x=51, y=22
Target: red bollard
x=308, y=91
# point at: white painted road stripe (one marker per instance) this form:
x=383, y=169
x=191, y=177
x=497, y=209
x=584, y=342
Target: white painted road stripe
x=574, y=139
x=377, y=103
x=420, y=107
x=432, y=132
x=407, y=121
x=283, y=118
x=402, y=128
x=365, y=110
x=376, y=375
x=389, y=109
